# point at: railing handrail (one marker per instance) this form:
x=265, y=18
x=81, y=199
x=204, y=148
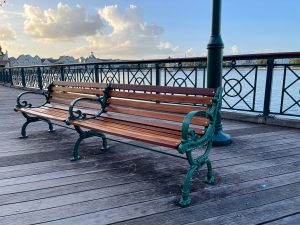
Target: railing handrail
x=276, y=55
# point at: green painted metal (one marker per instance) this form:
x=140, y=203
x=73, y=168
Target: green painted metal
x=79, y=115
x=87, y=134
x=26, y=104
x=191, y=141
x=215, y=66
x=268, y=89
x=29, y=119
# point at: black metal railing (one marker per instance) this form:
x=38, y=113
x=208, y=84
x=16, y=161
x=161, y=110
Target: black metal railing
x=267, y=84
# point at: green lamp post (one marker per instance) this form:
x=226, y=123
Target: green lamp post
x=215, y=66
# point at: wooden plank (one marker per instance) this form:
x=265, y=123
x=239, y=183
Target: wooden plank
x=154, y=106
x=136, y=127
x=65, y=201
x=162, y=98
x=35, y=191
x=145, y=121
x=43, y=115
x=260, y=215
x=71, y=96
x=157, y=115
x=78, y=90
x=56, y=103
x=289, y=220
x=79, y=84
x=95, y=212
x=166, y=89
x=146, y=137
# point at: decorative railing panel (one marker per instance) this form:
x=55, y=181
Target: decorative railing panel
x=240, y=84
x=265, y=84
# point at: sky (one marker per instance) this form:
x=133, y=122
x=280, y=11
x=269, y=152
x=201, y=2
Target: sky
x=145, y=29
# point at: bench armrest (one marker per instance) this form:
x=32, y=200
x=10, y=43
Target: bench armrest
x=79, y=115
x=26, y=104
x=189, y=139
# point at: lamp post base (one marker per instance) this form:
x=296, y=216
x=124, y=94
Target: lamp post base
x=221, y=139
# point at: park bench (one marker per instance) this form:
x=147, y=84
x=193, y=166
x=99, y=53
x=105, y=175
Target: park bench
x=57, y=100
x=174, y=117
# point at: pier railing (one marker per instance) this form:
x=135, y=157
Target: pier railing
x=266, y=84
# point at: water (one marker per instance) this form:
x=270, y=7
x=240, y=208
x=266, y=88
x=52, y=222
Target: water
x=244, y=88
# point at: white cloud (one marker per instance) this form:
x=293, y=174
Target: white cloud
x=126, y=35
x=4, y=14
x=234, y=50
x=7, y=34
x=60, y=24
x=191, y=53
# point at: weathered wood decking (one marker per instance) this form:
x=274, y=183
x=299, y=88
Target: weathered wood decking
x=258, y=178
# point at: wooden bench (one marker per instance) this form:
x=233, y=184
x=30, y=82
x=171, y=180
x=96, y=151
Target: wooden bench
x=57, y=100
x=173, y=117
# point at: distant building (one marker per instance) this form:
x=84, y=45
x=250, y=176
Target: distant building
x=66, y=60
x=26, y=60
x=48, y=61
x=89, y=59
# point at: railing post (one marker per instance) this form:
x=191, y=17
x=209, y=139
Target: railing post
x=11, y=76
x=2, y=76
x=96, y=73
x=62, y=75
x=5, y=77
x=39, y=77
x=157, y=74
x=268, y=88
x=23, y=77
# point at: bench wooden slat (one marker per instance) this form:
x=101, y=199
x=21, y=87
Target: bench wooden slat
x=162, y=98
x=154, y=106
x=134, y=128
x=67, y=102
x=79, y=84
x=149, y=138
x=175, y=127
x=78, y=90
x=71, y=96
x=166, y=89
x=120, y=123
x=43, y=115
x=156, y=115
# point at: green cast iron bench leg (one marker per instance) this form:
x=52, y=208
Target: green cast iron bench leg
x=29, y=120
x=87, y=134
x=195, y=164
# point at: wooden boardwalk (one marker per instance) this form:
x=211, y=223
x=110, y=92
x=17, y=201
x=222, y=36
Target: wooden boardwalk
x=258, y=178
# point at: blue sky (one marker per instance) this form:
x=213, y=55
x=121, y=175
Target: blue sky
x=146, y=29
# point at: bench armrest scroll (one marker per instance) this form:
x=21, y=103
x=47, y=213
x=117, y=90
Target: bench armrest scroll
x=26, y=104
x=189, y=139
x=79, y=115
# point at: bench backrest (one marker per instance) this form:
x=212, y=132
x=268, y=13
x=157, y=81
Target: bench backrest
x=174, y=102
x=62, y=93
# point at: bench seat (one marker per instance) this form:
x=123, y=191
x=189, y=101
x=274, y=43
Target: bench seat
x=47, y=112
